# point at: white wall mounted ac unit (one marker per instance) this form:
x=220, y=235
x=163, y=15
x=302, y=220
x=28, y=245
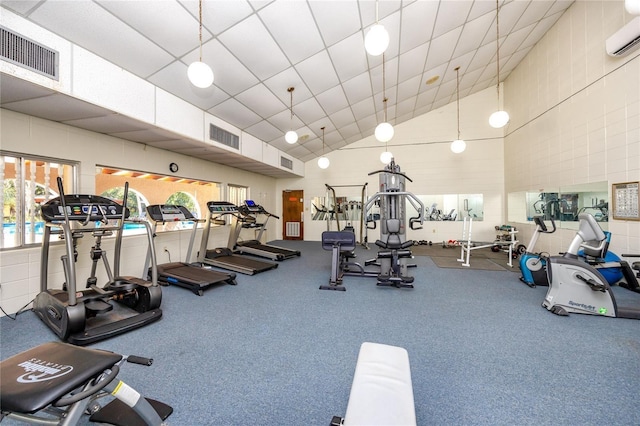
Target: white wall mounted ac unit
x=625, y=40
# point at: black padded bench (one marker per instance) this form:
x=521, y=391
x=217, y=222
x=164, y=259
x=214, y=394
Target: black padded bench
x=55, y=375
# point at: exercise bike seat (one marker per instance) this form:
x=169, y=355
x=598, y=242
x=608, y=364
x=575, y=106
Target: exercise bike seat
x=35, y=378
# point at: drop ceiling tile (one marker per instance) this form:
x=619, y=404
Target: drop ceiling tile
x=112, y=123
x=350, y=130
x=166, y=23
x=514, y=40
x=14, y=89
x=349, y=57
x=318, y=71
x=363, y=109
x=280, y=83
x=440, y=49
x=218, y=16
x=451, y=15
x=510, y=13
x=406, y=107
x=342, y=118
x=472, y=34
x=409, y=88
x=332, y=100
x=309, y=111
x=255, y=48
x=20, y=6
x=266, y=130
x=418, y=20
x=100, y=32
x=337, y=20
x=411, y=63
x=539, y=30
x=261, y=101
x=307, y=40
x=229, y=74
x=57, y=108
x=536, y=11
x=358, y=88
x=233, y=111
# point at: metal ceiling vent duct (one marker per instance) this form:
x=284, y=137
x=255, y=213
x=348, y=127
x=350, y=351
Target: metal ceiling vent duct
x=21, y=51
x=224, y=137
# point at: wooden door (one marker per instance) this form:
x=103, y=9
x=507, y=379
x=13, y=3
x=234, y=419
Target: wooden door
x=292, y=215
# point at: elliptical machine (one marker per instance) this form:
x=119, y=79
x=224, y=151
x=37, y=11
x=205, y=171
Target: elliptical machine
x=534, y=265
x=394, y=253
x=124, y=303
x=577, y=287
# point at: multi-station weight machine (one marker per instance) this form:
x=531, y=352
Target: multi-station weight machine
x=392, y=258
x=392, y=197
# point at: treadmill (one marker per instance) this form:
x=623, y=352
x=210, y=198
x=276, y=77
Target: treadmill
x=248, y=219
x=223, y=257
x=184, y=274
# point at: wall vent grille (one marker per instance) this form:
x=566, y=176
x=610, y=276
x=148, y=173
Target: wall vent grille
x=21, y=51
x=287, y=163
x=224, y=137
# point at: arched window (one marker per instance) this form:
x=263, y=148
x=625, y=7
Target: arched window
x=136, y=203
x=187, y=200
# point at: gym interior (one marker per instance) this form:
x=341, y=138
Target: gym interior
x=445, y=330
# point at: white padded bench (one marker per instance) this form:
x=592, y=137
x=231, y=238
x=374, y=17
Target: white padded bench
x=381, y=393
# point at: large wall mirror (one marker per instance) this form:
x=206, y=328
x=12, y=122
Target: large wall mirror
x=444, y=207
x=562, y=204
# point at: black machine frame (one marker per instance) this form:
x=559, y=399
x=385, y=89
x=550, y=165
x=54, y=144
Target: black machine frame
x=192, y=276
x=124, y=303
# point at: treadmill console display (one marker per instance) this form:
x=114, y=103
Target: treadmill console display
x=222, y=207
x=252, y=207
x=79, y=207
x=169, y=213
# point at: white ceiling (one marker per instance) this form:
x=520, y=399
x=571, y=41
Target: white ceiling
x=258, y=49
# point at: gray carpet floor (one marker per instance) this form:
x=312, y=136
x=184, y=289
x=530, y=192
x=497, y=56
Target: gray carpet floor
x=277, y=350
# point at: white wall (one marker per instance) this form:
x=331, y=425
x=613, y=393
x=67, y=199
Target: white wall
x=23, y=134
x=421, y=148
x=576, y=115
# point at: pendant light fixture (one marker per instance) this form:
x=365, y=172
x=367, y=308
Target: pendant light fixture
x=199, y=73
x=384, y=131
x=323, y=162
x=291, y=136
x=458, y=145
x=377, y=39
x=499, y=118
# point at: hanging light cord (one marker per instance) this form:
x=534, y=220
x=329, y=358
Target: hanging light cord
x=322, y=141
x=384, y=90
x=200, y=31
x=458, y=97
x=291, y=89
x=498, y=46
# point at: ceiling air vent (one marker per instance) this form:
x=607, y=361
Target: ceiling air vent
x=286, y=163
x=21, y=51
x=224, y=137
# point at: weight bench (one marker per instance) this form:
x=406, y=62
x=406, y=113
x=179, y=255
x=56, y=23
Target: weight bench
x=381, y=393
x=55, y=383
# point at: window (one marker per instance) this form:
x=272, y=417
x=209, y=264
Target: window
x=237, y=194
x=149, y=188
x=27, y=182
